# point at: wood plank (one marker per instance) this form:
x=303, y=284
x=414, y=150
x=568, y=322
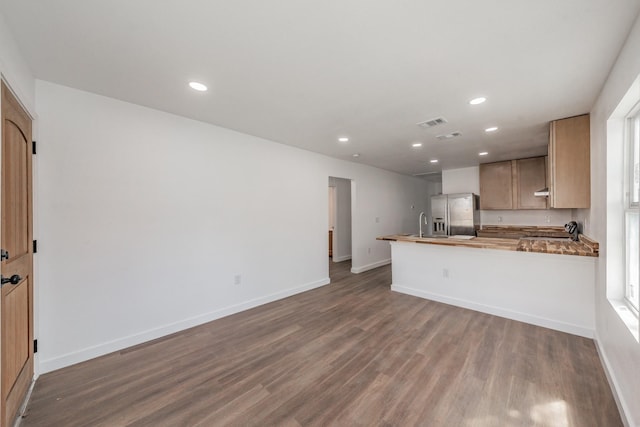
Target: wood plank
x=351, y=353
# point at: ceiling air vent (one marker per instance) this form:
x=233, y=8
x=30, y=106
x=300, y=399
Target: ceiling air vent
x=449, y=135
x=432, y=122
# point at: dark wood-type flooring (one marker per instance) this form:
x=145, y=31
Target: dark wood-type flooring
x=349, y=354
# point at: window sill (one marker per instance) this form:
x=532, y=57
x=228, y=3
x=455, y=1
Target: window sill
x=627, y=316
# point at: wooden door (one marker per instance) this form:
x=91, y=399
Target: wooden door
x=16, y=305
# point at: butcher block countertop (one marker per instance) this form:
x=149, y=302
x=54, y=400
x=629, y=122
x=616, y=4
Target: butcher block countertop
x=513, y=239
x=513, y=232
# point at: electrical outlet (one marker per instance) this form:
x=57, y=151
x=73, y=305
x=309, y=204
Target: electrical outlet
x=547, y=219
x=445, y=273
x=237, y=279
x=499, y=219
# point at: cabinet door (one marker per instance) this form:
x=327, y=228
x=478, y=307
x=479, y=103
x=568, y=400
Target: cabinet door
x=529, y=178
x=496, y=188
x=569, y=162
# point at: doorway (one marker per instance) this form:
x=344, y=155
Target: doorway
x=340, y=235
x=16, y=240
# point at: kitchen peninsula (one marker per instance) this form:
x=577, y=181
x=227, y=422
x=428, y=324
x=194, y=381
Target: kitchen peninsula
x=537, y=276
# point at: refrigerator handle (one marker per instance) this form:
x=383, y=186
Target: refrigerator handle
x=448, y=220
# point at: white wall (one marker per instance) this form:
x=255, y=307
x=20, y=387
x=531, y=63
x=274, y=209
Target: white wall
x=371, y=206
x=342, y=215
x=531, y=287
x=147, y=217
x=468, y=180
x=14, y=69
x=465, y=180
x=619, y=349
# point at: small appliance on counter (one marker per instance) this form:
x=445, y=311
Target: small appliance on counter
x=455, y=214
x=572, y=228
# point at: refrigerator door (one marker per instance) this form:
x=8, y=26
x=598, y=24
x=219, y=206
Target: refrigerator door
x=462, y=214
x=439, y=215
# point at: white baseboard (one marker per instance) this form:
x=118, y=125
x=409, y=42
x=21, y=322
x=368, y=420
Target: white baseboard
x=371, y=266
x=498, y=311
x=25, y=401
x=623, y=407
x=341, y=258
x=131, y=340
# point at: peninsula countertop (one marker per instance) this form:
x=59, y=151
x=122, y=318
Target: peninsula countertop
x=550, y=240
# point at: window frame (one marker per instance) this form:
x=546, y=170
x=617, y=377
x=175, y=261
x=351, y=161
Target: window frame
x=631, y=208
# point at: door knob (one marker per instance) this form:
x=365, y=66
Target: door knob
x=14, y=280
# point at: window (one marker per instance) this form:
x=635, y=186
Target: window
x=632, y=210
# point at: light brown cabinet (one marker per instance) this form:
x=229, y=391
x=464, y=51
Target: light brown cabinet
x=511, y=184
x=496, y=185
x=569, y=175
x=531, y=176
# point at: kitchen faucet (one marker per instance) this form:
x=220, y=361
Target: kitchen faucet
x=422, y=214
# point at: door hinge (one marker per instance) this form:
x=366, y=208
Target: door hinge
x=35, y=246
x=35, y=346
x=33, y=147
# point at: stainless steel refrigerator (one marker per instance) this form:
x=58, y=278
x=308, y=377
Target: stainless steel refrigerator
x=455, y=214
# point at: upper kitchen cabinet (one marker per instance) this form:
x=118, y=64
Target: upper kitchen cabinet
x=531, y=176
x=569, y=175
x=512, y=184
x=496, y=187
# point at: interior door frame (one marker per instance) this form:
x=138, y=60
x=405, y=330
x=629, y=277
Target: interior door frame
x=337, y=231
x=31, y=188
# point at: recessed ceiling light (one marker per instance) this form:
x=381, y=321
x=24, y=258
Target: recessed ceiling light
x=198, y=86
x=343, y=139
x=476, y=101
x=356, y=155
x=434, y=160
x=491, y=129
x=483, y=153
x=416, y=144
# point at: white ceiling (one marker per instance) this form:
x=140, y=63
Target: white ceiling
x=304, y=73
